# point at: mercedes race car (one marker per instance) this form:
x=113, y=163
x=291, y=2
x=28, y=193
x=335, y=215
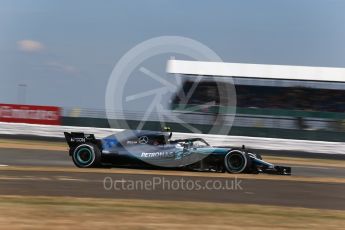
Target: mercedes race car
x=156, y=149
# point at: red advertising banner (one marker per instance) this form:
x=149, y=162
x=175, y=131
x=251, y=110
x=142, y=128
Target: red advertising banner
x=32, y=114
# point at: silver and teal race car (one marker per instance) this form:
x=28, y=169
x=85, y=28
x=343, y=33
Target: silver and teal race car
x=157, y=150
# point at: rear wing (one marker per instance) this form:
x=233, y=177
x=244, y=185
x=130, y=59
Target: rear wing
x=75, y=139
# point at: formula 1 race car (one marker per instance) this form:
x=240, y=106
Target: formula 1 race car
x=156, y=149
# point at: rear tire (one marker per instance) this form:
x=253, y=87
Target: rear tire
x=86, y=155
x=237, y=161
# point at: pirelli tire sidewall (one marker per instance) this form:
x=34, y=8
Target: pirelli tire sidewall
x=91, y=158
x=243, y=168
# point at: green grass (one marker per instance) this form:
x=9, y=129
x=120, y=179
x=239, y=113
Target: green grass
x=20, y=212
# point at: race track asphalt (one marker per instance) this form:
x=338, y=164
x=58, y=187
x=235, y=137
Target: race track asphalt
x=252, y=190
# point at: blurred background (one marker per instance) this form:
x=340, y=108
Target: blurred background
x=61, y=53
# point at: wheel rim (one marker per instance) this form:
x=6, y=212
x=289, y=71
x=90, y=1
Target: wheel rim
x=236, y=162
x=84, y=156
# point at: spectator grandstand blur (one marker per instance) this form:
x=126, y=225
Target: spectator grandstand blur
x=270, y=97
x=295, y=98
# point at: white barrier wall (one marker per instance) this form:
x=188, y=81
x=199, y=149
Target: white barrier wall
x=236, y=141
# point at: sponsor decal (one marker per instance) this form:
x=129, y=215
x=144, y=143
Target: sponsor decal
x=157, y=155
x=32, y=114
x=78, y=139
x=131, y=142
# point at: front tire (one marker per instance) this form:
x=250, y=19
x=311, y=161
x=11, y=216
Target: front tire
x=237, y=161
x=86, y=156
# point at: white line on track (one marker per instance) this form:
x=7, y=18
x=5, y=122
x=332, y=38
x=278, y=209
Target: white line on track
x=3, y=165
